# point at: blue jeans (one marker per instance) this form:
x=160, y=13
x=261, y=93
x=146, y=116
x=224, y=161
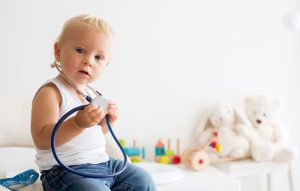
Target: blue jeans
x=132, y=178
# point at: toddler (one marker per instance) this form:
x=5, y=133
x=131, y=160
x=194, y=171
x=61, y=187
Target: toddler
x=82, y=52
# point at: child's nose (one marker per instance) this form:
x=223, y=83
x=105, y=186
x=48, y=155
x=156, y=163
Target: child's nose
x=88, y=61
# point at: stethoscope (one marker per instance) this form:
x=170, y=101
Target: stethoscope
x=101, y=102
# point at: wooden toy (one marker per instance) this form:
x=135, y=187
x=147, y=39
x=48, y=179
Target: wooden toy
x=167, y=156
x=177, y=158
x=159, y=150
x=197, y=158
x=134, y=153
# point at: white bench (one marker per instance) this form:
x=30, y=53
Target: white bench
x=17, y=159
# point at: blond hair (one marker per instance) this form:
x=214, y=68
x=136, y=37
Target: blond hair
x=93, y=22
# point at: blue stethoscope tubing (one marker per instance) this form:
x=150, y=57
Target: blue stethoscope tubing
x=89, y=175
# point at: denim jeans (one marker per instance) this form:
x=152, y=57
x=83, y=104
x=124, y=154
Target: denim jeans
x=132, y=178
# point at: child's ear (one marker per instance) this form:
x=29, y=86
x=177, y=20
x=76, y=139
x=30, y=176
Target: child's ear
x=57, y=50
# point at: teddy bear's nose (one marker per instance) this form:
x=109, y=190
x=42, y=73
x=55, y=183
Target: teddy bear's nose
x=258, y=121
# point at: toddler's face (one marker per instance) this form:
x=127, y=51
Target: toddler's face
x=83, y=54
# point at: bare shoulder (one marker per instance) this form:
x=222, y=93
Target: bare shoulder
x=45, y=106
x=44, y=113
x=47, y=94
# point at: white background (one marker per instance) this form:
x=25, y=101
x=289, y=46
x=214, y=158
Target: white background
x=172, y=59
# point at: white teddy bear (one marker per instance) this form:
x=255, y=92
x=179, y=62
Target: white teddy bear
x=231, y=125
x=268, y=137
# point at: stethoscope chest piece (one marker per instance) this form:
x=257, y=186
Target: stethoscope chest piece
x=101, y=102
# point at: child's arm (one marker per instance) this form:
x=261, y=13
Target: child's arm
x=45, y=114
x=113, y=113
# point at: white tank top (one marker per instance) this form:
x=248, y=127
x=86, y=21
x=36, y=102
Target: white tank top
x=87, y=147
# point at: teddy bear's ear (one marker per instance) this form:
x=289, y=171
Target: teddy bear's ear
x=205, y=122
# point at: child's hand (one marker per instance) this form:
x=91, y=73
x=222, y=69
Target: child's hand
x=112, y=111
x=91, y=115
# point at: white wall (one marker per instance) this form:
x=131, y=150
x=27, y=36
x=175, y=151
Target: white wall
x=172, y=58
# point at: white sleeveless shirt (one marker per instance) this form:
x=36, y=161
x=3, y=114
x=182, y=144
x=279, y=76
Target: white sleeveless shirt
x=87, y=147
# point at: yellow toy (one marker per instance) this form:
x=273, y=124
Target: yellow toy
x=167, y=156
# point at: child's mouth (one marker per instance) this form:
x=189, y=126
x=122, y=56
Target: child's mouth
x=84, y=72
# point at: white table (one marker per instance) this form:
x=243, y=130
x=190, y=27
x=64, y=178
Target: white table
x=210, y=179
x=245, y=168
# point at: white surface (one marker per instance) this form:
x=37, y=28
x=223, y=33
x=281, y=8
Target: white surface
x=16, y=158
x=172, y=58
x=268, y=170
x=292, y=21
x=161, y=173
x=249, y=167
x=210, y=179
x=15, y=121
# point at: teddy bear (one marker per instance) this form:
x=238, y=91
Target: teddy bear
x=231, y=125
x=268, y=137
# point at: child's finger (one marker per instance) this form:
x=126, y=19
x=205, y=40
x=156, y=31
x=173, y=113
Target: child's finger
x=91, y=107
x=96, y=119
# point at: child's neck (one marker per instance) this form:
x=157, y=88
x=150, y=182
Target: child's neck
x=82, y=88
